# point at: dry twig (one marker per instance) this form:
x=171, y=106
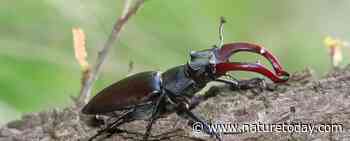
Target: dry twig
x=127, y=13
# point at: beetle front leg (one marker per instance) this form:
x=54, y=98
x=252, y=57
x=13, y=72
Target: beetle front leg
x=183, y=110
x=252, y=83
x=113, y=127
x=245, y=84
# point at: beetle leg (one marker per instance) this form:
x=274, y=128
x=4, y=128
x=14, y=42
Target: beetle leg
x=252, y=83
x=244, y=84
x=196, y=100
x=183, y=110
x=149, y=127
x=233, y=84
x=154, y=117
x=112, y=127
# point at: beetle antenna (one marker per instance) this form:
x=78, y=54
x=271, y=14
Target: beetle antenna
x=221, y=32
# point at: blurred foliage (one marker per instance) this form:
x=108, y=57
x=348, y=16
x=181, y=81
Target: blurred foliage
x=38, y=69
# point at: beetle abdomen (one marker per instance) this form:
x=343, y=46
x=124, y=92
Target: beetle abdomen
x=127, y=92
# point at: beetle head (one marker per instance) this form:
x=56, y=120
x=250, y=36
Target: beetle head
x=200, y=66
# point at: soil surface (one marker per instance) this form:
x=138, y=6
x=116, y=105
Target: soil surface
x=303, y=101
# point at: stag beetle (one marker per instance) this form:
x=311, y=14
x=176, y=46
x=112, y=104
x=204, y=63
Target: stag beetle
x=151, y=95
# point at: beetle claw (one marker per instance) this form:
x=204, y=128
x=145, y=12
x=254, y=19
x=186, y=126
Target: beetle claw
x=222, y=63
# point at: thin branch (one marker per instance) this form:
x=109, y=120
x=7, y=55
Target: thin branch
x=127, y=13
x=127, y=5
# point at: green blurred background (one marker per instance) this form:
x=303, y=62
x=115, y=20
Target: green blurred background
x=38, y=69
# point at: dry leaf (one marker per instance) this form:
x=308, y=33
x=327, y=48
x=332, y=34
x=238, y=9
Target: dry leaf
x=335, y=46
x=79, y=48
